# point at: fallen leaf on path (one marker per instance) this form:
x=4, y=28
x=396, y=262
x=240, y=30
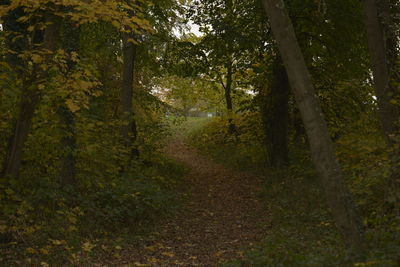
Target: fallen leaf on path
x=168, y=254
x=151, y=248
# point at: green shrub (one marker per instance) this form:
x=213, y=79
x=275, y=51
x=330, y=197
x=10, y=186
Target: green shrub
x=301, y=231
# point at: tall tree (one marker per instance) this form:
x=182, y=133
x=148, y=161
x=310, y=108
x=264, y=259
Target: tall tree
x=383, y=51
x=275, y=112
x=71, y=44
x=338, y=197
x=218, y=20
x=129, y=128
x=384, y=89
x=31, y=94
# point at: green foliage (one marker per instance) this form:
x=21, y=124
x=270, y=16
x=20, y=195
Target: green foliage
x=43, y=220
x=301, y=231
x=185, y=94
x=214, y=140
x=43, y=217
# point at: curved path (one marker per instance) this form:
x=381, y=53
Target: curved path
x=222, y=217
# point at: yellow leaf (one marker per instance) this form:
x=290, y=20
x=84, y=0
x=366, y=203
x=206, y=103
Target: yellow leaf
x=117, y=255
x=37, y=59
x=72, y=228
x=153, y=260
x=141, y=264
x=133, y=41
x=115, y=23
x=219, y=253
x=151, y=248
x=57, y=242
x=71, y=105
x=29, y=230
x=3, y=228
x=74, y=57
x=87, y=246
x=168, y=254
x=31, y=250
x=44, y=251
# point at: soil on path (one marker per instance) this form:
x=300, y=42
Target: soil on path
x=223, y=216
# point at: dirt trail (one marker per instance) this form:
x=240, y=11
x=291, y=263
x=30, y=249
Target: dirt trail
x=222, y=216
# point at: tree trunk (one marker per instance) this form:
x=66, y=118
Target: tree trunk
x=299, y=137
x=30, y=98
x=338, y=197
x=391, y=40
x=379, y=63
x=229, y=19
x=228, y=98
x=71, y=43
x=129, y=128
x=29, y=101
x=276, y=117
x=382, y=49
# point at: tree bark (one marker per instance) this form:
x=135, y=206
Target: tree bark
x=129, y=127
x=228, y=98
x=380, y=69
x=229, y=19
x=382, y=49
x=338, y=197
x=71, y=43
x=30, y=98
x=276, y=117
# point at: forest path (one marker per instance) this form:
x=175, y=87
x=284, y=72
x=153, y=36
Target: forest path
x=222, y=216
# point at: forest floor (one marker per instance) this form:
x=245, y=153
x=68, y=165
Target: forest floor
x=223, y=216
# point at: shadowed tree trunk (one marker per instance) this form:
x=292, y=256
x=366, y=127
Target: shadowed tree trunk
x=30, y=98
x=276, y=117
x=383, y=52
x=228, y=98
x=71, y=43
x=384, y=90
x=338, y=197
x=129, y=128
x=229, y=19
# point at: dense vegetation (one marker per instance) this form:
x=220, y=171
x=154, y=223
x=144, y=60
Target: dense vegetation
x=305, y=94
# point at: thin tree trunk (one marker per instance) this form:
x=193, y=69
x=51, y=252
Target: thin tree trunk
x=391, y=41
x=382, y=49
x=338, y=197
x=229, y=19
x=68, y=141
x=68, y=161
x=276, y=117
x=129, y=128
x=30, y=98
x=228, y=98
x=29, y=101
x=379, y=63
x=297, y=123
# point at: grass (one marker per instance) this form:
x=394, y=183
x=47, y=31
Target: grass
x=184, y=126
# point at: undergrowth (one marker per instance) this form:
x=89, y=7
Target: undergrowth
x=53, y=226
x=301, y=231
